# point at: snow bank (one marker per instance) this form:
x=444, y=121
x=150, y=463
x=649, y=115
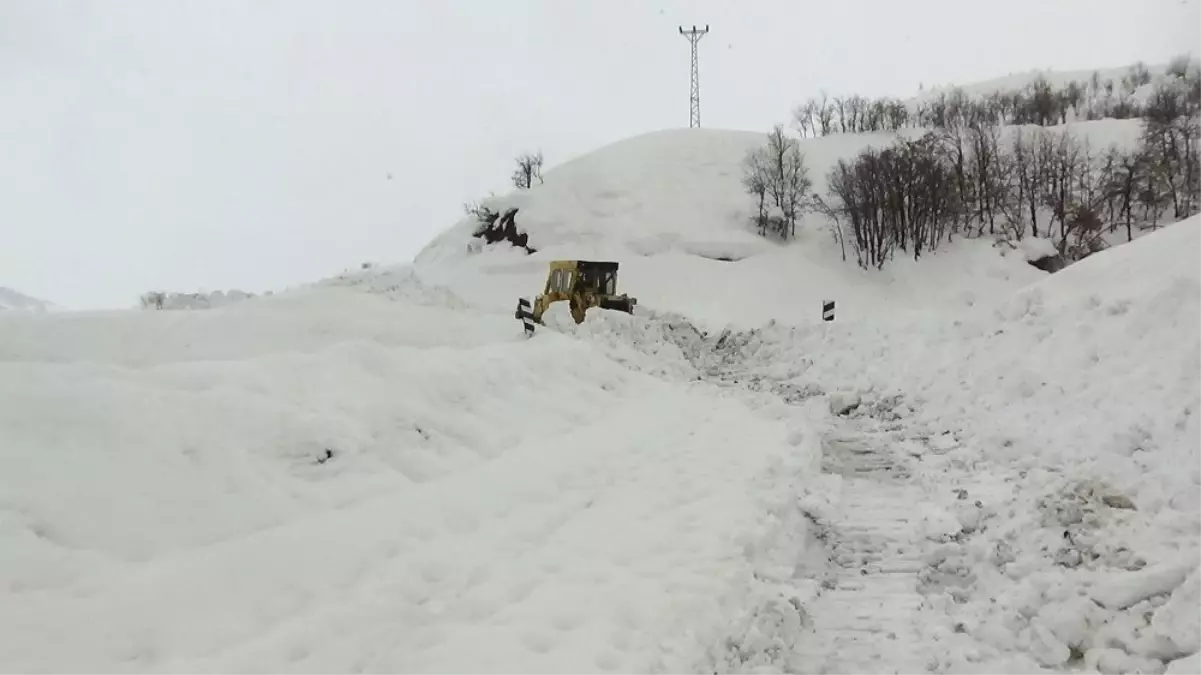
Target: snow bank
x=342, y=479
x=1076, y=344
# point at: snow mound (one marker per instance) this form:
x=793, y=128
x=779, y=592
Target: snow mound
x=676, y=190
x=644, y=341
x=340, y=479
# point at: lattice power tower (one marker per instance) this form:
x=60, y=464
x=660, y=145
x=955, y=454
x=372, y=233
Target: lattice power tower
x=694, y=95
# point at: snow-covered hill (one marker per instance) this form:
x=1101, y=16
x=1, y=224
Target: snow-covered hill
x=976, y=467
x=10, y=299
x=670, y=207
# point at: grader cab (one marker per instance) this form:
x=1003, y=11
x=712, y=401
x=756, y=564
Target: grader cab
x=584, y=284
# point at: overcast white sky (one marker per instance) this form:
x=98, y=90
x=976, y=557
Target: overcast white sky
x=212, y=144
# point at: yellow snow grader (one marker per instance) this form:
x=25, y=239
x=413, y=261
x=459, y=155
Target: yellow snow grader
x=584, y=284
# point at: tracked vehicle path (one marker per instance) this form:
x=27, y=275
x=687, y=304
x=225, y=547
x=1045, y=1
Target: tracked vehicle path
x=868, y=594
x=869, y=621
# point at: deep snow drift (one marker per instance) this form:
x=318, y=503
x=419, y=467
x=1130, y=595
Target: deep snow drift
x=349, y=479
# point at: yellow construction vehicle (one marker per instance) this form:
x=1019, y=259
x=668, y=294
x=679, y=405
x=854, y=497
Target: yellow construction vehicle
x=584, y=284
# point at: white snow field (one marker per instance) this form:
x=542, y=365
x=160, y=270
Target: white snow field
x=977, y=467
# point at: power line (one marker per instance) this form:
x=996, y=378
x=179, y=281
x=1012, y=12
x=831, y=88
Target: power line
x=694, y=95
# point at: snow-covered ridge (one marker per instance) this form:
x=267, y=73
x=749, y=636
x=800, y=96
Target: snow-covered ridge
x=10, y=299
x=1058, y=79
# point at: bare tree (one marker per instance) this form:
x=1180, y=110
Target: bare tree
x=1170, y=141
x=898, y=115
x=754, y=180
x=776, y=176
x=529, y=167
x=804, y=118
x=825, y=115
x=987, y=173
x=789, y=178
x=839, y=110
x=1120, y=174
x=1074, y=97
x=1020, y=165
x=1139, y=75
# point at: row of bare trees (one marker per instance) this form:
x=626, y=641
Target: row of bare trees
x=1039, y=103
x=916, y=194
x=850, y=114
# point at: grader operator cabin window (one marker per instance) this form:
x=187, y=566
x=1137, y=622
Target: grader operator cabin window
x=559, y=280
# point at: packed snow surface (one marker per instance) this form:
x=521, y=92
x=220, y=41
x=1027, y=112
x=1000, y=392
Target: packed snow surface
x=976, y=467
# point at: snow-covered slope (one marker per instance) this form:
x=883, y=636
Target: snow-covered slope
x=10, y=299
x=669, y=205
x=1058, y=79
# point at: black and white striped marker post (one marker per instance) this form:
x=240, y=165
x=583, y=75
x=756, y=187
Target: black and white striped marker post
x=527, y=317
x=828, y=310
